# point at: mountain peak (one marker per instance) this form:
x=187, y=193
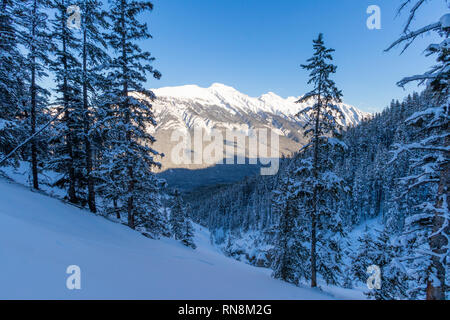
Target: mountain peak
x=219, y=94
x=217, y=85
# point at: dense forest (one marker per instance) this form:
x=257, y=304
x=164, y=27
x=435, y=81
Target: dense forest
x=393, y=167
x=88, y=127
x=245, y=217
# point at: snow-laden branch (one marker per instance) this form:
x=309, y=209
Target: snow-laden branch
x=32, y=136
x=412, y=13
x=413, y=35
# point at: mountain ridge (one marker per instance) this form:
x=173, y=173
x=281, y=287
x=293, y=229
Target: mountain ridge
x=221, y=107
x=221, y=94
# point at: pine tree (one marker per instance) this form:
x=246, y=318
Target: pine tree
x=150, y=217
x=363, y=257
x=318, y=186
x=32, y=20
x=180, y=221
x=188, y=233
x=12, y=80
x=431, y=166
x=394, y=278
x=177, y=215
x=291, y=262
x=67, y=157
x=94, y=58
x=128, y=158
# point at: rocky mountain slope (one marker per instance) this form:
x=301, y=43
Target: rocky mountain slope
x=220, y=107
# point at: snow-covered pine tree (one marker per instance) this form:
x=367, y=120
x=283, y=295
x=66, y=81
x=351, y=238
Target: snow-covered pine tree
x=94, y=58
x=177, y=214
x=394, y=278
x=128, y=158
x=438, y=76
x=180, y=221
x=377, y=248
x=291, y=262
x=317, y=184
x=67, y=157
x=150, y=217
x=188, y=232
x=34, y=38
x=428, y=230
x=363, y=257
x=12, y=86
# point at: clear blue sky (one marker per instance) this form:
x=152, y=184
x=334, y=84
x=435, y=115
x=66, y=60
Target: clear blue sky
x=257, y=46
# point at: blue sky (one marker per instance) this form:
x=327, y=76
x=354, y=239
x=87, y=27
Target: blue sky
x=257, y=46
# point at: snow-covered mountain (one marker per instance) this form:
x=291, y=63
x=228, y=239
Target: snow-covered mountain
x=222, y=107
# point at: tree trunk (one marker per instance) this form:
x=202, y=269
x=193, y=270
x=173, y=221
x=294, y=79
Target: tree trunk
x=69, y=142
x=34, y=167
x=438, y=242
x=127, y=120
x=116, y=209
x=314, y=211
x=313, y=246
x=86, y=125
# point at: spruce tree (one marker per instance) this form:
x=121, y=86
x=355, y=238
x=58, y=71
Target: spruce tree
x=291, y=261
x=318, y=186
x=12, y=80
x=94, y=59
x=394, y=278
x=67, y=157
x=128, y=160
x=177, y=215
x=150, y=217
x=431, y=165
x=34, y=37
x=188, y=233
x=180, y=221
x=363, y=257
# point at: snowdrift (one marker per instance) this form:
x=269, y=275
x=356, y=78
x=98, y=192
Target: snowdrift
x=41, y=236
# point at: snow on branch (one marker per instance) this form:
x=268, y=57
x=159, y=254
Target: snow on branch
x=411, y=36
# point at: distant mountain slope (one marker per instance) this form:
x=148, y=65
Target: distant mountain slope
x=222, y=107
x=41, y=236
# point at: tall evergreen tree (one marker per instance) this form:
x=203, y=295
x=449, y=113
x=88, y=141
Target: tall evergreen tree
x=36, y=41
x=67, y=157
x=318, y=185
x=94, y=59
x=180, y=222
x=188, y=233
x=12, y=79
x=177, y=215
x=394, y=277
x=129, y=159
x=431, y=149
x=291, y=261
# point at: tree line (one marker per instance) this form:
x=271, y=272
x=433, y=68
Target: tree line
x=76, y=96
x=393, y=166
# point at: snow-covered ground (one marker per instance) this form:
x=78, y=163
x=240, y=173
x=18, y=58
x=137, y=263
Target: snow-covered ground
x=41, y=236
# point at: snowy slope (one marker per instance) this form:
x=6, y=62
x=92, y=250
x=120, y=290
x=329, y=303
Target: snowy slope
x=41, y=236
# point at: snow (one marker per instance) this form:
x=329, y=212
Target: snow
x=445, y=21
x=41, y=236
x=236, y=102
